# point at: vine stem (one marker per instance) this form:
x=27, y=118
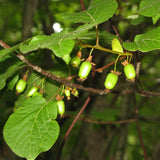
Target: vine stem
x=139, y=129
x=104, y=49
x=102, y=122
x=78, y=86
x=82, y=5
x=108, y=65
x=72, y=125
x=97, y=35
x=117, y=34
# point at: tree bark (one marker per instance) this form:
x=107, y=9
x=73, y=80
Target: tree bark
x=28, y=16
x=47, y=19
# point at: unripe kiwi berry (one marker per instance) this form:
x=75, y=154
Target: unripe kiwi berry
x=129, y=71
x=75, y=92
x=32, y=91
x=85, y=69
x=61, y=107
x=111, y=80
x=67, y=93
x=21, y=85
x=75, y=61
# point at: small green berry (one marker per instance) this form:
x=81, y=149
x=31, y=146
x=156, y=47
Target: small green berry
x=67, y=92
x=111, y=80
x=61, y=107
x=32, y=91
x=129, y=71
x=84, y=69
x=75, y=61
x=21, y=85
x=75, y=92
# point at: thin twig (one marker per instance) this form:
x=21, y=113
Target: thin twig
x=82, y=5
x=97, y=35
x=71, y=126
x=101, y=122
x=4, y=45
x=108, y=65
x=78, y=86
x=116, y=31
x=105, y=49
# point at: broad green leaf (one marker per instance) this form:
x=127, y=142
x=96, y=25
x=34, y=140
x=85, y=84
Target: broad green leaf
x=60, y=46
x=150, y=9
x=5, y=52
x=104, y=37
x=13, y=82
x=55, y=41
x=81, y=30
x=155, y=18
x=99, y=11
x=63, y=49
x=32, y=129
x=34, y=43
x=145, y=42
x=9, y=67
x=62, y=43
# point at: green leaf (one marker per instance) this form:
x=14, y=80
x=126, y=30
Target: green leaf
x=13, y=82
x=5, y=52
x=63, y=49
x=32, y=129
x=62, y=43
x=60, y=46
x=150, y=8
x=145, y=42
x=104, y=37
x=155, y=18
x=9, y=67
x=99, y=11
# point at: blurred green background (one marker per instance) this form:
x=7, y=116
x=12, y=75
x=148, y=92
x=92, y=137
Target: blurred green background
x=21, y=19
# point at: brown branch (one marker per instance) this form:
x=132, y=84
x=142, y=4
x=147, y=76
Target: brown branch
x=116, y=31
x=4, y=45
x=101, y=122
x=58, y=79
x=78, y=86
x=108, y=65
x=82, y=5
x=71, y=126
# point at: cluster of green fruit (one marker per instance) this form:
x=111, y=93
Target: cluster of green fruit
x=60, y=103
x=84, y=70
x=111, y=78
x=22, y=83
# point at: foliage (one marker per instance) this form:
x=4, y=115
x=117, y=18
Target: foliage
x=32, y=128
